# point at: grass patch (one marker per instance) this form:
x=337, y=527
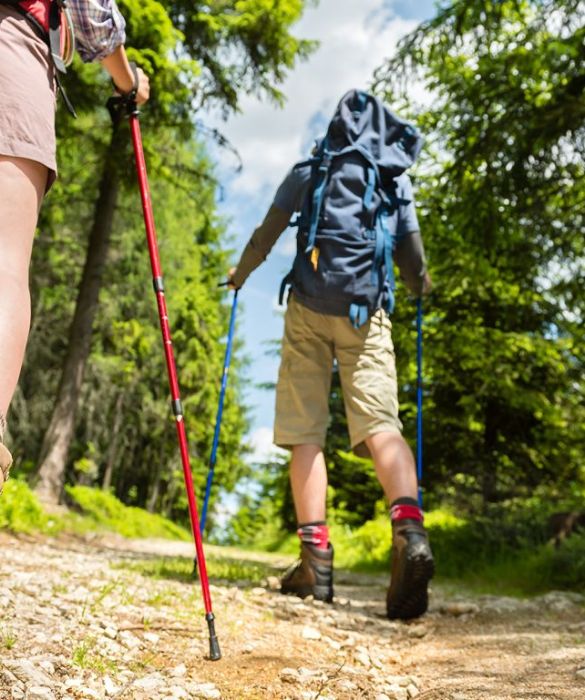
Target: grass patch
x=7, y=638
x=86, y=656
x=20, y=511
x=93, y=511
x=103, y=511
x=222, y=569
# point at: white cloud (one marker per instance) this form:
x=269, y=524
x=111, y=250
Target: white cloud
x=353, y=43
x=263, y=449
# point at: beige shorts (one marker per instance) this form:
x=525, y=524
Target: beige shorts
x=365, y=358
x=27, y=93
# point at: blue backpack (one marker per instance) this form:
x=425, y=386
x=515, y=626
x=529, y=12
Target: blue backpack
x=345, y=240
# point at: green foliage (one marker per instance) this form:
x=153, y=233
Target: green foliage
x=20, y=510
x=195, y=54
x=501, y=201
x=219, y=568
x=106, y=512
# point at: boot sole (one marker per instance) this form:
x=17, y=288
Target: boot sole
x=323, y=593
x=414, y=600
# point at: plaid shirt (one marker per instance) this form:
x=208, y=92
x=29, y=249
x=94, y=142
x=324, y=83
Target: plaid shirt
x=99, y=28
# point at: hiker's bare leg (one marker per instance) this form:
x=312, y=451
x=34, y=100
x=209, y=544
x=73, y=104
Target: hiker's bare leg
x=308, y=479
x=394, y=464
x=22, y=186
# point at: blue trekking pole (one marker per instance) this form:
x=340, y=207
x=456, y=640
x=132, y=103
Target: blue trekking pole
x=419, y=396
x=213, y=457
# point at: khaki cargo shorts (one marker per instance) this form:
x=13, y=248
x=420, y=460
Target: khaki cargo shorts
x=365, y=358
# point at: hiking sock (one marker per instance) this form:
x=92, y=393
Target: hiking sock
x=405, y=509
x=316, y=533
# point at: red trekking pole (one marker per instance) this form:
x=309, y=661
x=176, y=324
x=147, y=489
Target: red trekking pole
x=117, y=106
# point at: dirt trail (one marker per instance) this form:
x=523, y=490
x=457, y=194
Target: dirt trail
x=76, y=622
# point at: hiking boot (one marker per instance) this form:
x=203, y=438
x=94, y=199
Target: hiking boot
x=5, y=462
x=312, y=575
x=412, y=569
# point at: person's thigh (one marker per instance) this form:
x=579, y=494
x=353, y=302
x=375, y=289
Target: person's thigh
x=22, y=184
x=367, y=370
x=22, y=187
x=304, y=378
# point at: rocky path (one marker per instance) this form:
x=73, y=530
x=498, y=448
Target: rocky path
x=77, y=621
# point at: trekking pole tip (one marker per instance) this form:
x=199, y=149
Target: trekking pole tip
x=214, y=650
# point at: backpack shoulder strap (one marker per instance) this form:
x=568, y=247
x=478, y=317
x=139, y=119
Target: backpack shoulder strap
x=324, y=163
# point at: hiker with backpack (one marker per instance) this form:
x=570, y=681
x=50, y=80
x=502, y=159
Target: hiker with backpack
x=37, y=38
x=357, y=216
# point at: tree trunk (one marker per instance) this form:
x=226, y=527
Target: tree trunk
x=60, y=432
x=114, y=443
x=489, y=482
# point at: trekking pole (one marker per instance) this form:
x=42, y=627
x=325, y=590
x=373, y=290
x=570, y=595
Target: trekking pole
x=419, y=396
x=117, y=106
x=224, y=380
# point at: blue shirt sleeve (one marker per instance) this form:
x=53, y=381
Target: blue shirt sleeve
x=407, y=218
x=290, y=195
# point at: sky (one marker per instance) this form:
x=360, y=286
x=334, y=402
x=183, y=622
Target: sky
x=355, y=36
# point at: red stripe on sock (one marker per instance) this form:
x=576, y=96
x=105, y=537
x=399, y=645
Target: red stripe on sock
x=317, y=535
x=402, y=512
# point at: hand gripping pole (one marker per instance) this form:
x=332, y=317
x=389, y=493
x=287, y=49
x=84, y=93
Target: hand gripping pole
x=214, y=650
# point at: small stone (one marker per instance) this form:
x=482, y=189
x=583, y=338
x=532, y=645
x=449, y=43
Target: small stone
x=179, y=671
x=17, y=694
x=580, y=674
x=311, y=633
x=178, y=693
x=307, y=675
x=205, y=690
x=151, y=637
x=273, y=583
x=289, y=675
x=397, y=693
x=363, y=657
x=332, y=643
x=400, y=681
x=346, y=684
x=110, y=687
x=111, y=632
x=412, y=691
x=257, y=591
x=457, y=608
x=47, y=666
x=248, y=649
x=39, y=693
x=382, y=696
x=129, y=640
x=149, y=682
x=417, y=631
x=9, y=677
x=28, y=673
x=90, y=693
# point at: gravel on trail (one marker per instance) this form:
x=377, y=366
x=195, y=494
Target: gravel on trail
x=76, y=623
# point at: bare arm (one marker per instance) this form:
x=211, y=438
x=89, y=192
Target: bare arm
x=118, y=67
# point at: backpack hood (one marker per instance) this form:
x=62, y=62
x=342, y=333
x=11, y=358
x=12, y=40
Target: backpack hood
x=363, y=121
